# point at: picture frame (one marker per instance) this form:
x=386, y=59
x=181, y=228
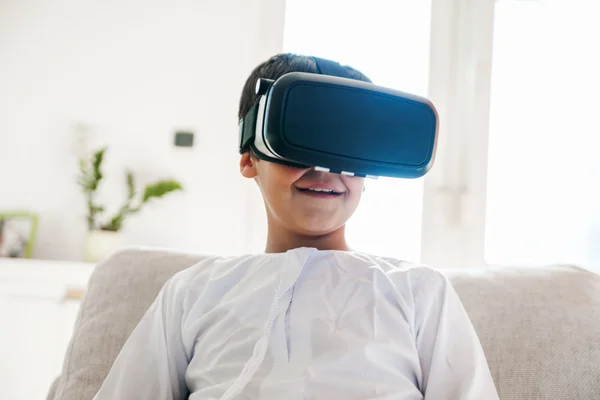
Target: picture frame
x=17, y=234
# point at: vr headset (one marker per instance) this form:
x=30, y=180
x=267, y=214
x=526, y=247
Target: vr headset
x=340, y=125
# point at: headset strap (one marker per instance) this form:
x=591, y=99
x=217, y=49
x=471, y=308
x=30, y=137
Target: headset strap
x=328, y=67
x=248, y=127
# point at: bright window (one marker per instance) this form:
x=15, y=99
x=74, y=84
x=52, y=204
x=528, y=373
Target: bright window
x=543, y=200
x=388, y=40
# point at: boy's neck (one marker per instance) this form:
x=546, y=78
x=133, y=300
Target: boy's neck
x=280, y=240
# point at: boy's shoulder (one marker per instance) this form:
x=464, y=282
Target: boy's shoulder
x=419, y=277
x=403, y=266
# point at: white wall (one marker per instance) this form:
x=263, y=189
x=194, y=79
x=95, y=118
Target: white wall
x=132, y=71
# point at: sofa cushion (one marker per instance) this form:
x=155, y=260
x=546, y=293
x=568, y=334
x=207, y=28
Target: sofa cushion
x=539, y=328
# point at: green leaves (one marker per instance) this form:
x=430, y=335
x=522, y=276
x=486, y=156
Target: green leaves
x=160, y=189
x=97, y=159
x=96, y=208
x=90, y=172
x=130, y=186
x=90, y=176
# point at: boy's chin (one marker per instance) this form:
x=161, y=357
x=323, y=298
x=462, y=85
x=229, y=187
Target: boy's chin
x=321, y=228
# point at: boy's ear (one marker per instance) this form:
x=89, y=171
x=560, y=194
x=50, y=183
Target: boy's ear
x=248, y=165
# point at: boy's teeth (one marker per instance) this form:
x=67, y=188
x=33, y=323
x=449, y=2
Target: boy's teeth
x=320, y=190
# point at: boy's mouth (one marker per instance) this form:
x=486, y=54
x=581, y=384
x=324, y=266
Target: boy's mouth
x=319, y=192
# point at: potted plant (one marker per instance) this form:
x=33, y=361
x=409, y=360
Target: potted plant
x=103, y=238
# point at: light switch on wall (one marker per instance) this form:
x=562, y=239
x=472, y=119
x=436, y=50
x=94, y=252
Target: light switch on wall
x=184, y=139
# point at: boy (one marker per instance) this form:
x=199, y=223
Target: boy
x=309, y=318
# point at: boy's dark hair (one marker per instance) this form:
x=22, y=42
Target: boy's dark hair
x=279, y=65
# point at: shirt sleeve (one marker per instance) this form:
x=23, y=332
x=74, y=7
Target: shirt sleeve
x=453, y=364
x=153, y=361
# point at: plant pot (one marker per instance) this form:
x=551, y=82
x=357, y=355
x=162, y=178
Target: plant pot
x=101, y=244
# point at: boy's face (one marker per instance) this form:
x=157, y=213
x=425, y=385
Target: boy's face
x=304, y=201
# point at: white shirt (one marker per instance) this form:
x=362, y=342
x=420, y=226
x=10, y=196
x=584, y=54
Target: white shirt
x=305, y=324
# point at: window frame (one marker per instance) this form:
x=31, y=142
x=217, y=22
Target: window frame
x=454, y=208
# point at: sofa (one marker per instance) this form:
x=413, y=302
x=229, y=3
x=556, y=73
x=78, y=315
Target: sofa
x=539, y=326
